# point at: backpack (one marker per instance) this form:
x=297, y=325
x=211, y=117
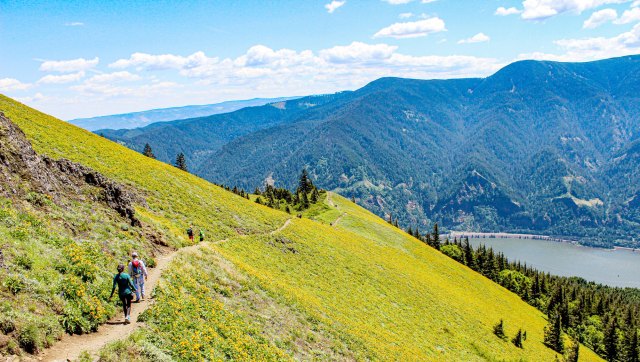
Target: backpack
x=136, y=267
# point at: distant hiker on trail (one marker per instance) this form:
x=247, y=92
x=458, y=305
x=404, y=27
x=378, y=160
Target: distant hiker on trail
x=138, y=272
x=190, y=233
x=125, y=291
x=201, y=235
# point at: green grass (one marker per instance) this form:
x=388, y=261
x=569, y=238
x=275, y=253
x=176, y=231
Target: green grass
x=360, y=290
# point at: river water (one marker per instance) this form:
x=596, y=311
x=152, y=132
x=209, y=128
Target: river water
x=618, y=268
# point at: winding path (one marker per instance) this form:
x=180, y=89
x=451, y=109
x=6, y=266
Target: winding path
x=70, y=347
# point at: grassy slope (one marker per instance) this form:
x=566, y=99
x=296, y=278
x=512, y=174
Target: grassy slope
x=371, y=288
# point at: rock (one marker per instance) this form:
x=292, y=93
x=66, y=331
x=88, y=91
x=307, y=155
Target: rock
x=55, y=177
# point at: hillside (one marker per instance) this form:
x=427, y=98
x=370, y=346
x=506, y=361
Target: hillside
x=262, y=288
x=538, y=147
x=144, y=118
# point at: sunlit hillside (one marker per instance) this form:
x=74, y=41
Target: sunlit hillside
x=344, y=285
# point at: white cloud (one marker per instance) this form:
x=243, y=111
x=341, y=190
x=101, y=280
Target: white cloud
x=629, y=16
x=160, y=62
x=586, y=49
x=600, y=17
x=68, y=66
x=122, y=76
x=412, y=29
x=358, y=52
x=478, y=38
x=543, y=9
x=428, y=1
x=405, y=15
x=397, y=2
x=74, y=23
x=502, y=11
x=110, y=85
x=32, y=99
x=332, y=6
x=10, y=84
x=62, y=79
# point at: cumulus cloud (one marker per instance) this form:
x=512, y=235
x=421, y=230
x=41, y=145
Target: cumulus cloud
x=478, y=38
x=600, y=17
x=69, y=66
x=543, y=9
x=397, y=2
x=11, y=84
x=629, y=16
x=61, y=79
x=32, y=99
x=586, y=49
x=502, y=11
x=412, y=29
x=332, y=6
x=358, y=52
x=160, y=62
x=120, y=84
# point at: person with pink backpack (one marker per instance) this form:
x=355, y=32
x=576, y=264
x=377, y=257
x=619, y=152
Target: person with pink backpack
x=138, y=272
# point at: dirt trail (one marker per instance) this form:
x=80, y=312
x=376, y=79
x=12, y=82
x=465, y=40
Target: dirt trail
x=70, y=347
x=338, y=219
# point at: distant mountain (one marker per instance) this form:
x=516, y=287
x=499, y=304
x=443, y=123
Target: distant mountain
x=543, y=147
x=141, y=119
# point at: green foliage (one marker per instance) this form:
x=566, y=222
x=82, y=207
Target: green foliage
x=514, y=281
x=498, y=330
x=181, y=162
x=553, y=334
x=518, y=339
x=453, y=251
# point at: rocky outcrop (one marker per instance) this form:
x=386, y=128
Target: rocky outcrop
x=20, y=165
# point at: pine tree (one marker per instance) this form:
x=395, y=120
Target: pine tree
x=304, y=184
x=148, y=151
x=304, y=201
x=573, y=352
x=181, y=163
x=287, y=209
x=631, y=344
x=257, y=191
x=517, y=340
x=314, y=196
x=553, y=334
x=436, y=236
x=259, y=200
x=468, y=254
x=611, y=340
x=498, y=330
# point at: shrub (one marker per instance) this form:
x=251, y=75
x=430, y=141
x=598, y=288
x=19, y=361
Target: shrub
x=30, y=338
x=14, y=284
x=498, y=329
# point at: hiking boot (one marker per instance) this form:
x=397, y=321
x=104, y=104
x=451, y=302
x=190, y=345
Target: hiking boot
x=127, y=320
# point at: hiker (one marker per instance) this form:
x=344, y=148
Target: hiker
x=125, y=291
x=201, y=235
x=190, y=233
x=138, y=272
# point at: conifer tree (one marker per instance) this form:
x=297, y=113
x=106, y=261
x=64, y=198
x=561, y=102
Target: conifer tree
x=304, y=184
x=304, y=201
x=498, y=330
x=469, y=260
x=314, y=196
x=436, y=236
x=517, y=340
x=611, y=340
x=148, y=151
x=259, y=200
x=631, y=344
x=287, y=209
x=573, y=352
x=181, y=162
x=553, y=334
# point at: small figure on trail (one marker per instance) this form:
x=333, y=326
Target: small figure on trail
x=138, y=272
x=190, y=232
x=201, y=235
x=125, y=291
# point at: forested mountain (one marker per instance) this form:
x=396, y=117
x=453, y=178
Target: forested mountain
x=542, y=147
x=144, y=118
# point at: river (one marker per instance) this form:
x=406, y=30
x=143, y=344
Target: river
x=618, y=268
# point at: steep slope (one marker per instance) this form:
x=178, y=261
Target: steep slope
x=360, y=290
x=144, y=118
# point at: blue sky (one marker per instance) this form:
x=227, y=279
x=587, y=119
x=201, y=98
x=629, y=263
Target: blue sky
x=84, y=58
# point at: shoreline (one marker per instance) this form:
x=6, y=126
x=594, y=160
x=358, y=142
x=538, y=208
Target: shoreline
x=503, y=235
